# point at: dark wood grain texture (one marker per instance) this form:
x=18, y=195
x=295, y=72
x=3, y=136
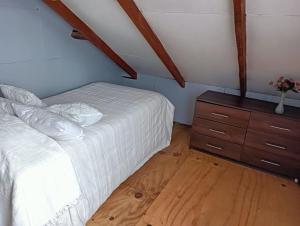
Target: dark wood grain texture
x=271, y=142
x=219, y=130
x=248, y=104
x=274, y=125
x=216, y=146
x=61, y=9
x=143, y=26
x=230, y=116
x=241, y=39
x=271, y=162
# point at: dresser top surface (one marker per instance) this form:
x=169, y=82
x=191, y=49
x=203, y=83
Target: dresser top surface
x=248, y=104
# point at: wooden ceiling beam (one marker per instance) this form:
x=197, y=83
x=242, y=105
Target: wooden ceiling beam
x=241, y=40
x=89, y=34
x=142, y=25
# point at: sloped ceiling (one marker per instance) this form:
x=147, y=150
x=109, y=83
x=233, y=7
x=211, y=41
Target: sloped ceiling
x=189, y=30
x=112, y=24
x=199, y=36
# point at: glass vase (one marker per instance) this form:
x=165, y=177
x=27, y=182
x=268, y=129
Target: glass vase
x=280, y=107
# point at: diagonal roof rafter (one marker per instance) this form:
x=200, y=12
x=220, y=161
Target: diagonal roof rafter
x=60, y=8
x=143, y=26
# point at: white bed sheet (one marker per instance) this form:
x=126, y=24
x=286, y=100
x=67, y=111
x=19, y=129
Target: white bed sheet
x=33, y=189
x=136, y=125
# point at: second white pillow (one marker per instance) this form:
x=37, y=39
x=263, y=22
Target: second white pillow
x=51, y=124
x=21, y=96
x=81, y=113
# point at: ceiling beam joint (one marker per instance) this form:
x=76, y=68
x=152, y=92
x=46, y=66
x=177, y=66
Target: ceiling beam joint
x=143, y=26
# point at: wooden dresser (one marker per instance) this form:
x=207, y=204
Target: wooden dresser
x=248, y=131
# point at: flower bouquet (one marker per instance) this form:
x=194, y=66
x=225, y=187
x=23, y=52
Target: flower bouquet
x=284, y=85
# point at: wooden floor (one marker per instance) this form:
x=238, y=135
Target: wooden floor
x=179, y=186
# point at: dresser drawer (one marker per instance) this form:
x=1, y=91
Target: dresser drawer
x=219, y=130
x=222, y=114
x=274, y=124
x=273, y=143
x=215, y=146
x=273, y=163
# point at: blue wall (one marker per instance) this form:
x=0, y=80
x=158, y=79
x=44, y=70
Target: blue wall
x=37, y=52
x=184, y=99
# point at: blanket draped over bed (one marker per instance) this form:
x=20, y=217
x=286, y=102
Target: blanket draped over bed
x=37, y=179
x=136, y=124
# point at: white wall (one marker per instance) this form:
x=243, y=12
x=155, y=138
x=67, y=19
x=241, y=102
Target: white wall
x=273, y=42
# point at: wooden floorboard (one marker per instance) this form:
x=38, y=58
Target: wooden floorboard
x=184, y=187
x=125, y=207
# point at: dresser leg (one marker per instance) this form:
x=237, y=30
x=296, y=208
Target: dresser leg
x=296, y=180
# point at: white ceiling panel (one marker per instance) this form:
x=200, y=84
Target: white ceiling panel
x=273, y=7
x=186, y=6
x=273, y=49
x=113, y=25
x=197, y=48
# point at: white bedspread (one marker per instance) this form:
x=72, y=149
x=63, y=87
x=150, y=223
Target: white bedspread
x=37, y=179
x=136, y=125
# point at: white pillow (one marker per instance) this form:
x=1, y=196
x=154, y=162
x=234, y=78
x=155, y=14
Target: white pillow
x=5, y=106
x=21, y=95
x=82, y=114
x=51, y=124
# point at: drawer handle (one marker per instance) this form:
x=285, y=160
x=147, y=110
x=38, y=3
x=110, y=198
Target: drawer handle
x=280, y=128
x=216, y=131
x=270, y=163
x=276, y=146
x=220, y=115
x=213, y=146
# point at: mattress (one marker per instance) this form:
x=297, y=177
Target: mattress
x=136, y=125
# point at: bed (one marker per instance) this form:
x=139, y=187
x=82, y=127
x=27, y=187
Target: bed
x=136, y=125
